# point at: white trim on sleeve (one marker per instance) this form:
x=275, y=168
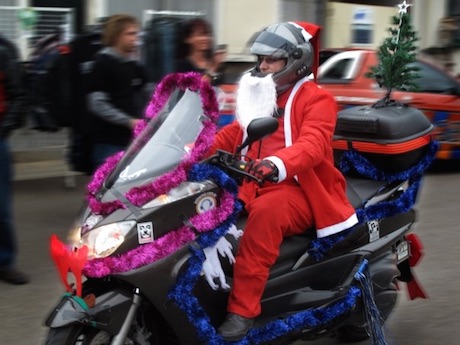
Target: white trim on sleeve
x=282, y=174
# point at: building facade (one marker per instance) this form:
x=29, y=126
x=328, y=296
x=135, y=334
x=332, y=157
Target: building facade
x=364, y=24
x=346, y=23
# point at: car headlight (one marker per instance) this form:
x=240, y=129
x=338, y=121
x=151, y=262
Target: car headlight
x=106, y=239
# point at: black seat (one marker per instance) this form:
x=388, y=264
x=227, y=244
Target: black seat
x=360, y=190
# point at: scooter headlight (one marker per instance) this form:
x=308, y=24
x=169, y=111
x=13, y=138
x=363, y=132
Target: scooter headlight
x=105, y=240
x=184, y=190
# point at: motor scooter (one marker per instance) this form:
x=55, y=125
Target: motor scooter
x=151, y=252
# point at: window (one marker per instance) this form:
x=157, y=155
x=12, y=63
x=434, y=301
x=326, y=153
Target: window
x=338, y=71
x=453, y=11
x=362, y=34
x=362, y=28
x=433, y=81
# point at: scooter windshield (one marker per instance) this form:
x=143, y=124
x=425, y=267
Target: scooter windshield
x=160, y=147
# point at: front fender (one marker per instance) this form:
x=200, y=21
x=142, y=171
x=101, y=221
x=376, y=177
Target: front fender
x=108, y=312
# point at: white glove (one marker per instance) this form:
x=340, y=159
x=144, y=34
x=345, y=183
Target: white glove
x=212, y=268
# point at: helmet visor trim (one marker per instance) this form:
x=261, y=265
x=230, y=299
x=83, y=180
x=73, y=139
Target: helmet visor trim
x=270, y=44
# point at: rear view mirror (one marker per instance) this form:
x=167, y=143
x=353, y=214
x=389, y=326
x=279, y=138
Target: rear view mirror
x=258, y=129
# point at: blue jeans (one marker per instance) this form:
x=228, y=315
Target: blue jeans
x=7, y=235
x=103, y=151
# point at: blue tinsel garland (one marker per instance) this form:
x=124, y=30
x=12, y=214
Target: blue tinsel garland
x=374, y=320
x=352, y=159
x=182, y=292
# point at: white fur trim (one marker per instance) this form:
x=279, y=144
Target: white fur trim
x=336, y=228
x=244, y=151
x=287, y=111
x=306, y=35
x=282, y=174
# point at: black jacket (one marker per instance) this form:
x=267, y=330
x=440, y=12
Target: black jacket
x=13, y=100
x=117, y=95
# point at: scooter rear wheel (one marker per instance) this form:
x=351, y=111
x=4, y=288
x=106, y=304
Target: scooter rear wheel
x=354, y=333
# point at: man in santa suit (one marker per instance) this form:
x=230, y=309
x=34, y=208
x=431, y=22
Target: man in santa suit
x=302, y=189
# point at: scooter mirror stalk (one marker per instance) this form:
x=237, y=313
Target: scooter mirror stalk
x=258, y=129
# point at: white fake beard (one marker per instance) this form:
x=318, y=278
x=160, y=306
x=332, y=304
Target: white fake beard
x=256, y=98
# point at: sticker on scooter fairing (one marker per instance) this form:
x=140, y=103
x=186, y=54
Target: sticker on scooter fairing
x=90, y=223
x=374, y=230
x=402, y=251
x=145, y=232
x=205, y=202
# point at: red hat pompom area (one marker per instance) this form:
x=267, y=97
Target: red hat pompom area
x=311, y=33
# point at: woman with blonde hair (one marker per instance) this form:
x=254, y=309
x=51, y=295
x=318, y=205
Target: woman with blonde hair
x=117, y=96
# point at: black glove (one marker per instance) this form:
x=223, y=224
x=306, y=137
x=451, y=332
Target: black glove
x=263, y=169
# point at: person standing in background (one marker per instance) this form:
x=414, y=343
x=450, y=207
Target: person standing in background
x=117, y=88
x=196, y=52
x=13, y=106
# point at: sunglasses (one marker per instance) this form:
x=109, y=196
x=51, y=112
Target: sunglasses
x=268, y=59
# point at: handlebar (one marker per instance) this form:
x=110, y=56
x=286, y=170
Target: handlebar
x=233, y=165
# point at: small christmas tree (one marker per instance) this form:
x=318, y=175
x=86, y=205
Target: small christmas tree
x=395, y=54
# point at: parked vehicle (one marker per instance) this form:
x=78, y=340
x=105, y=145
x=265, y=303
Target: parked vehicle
x=154, y=267
x=438, y=94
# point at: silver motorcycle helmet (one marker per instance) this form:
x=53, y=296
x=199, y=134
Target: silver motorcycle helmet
x=289, y=41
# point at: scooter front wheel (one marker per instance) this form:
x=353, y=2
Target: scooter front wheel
x=85, y=335
x=77, y=335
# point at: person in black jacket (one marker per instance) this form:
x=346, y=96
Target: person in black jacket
x=117, y=88
x=196, y=52
x=12, y=111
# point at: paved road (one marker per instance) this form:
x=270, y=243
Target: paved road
x=42, y=207
x=45, y=206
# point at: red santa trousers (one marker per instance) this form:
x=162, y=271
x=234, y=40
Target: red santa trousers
x=276, y=212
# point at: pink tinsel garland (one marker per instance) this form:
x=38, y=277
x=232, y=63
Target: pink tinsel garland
x=164, y=246
x=141, y=195
x=172, y=241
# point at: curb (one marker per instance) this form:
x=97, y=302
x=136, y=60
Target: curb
x=41, y=163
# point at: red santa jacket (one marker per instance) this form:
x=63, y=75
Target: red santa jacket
x=310, y=115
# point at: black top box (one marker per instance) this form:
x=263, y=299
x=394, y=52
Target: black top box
x=394, y=137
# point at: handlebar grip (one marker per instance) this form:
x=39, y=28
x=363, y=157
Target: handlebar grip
x=241, y=165
x=273, y=179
